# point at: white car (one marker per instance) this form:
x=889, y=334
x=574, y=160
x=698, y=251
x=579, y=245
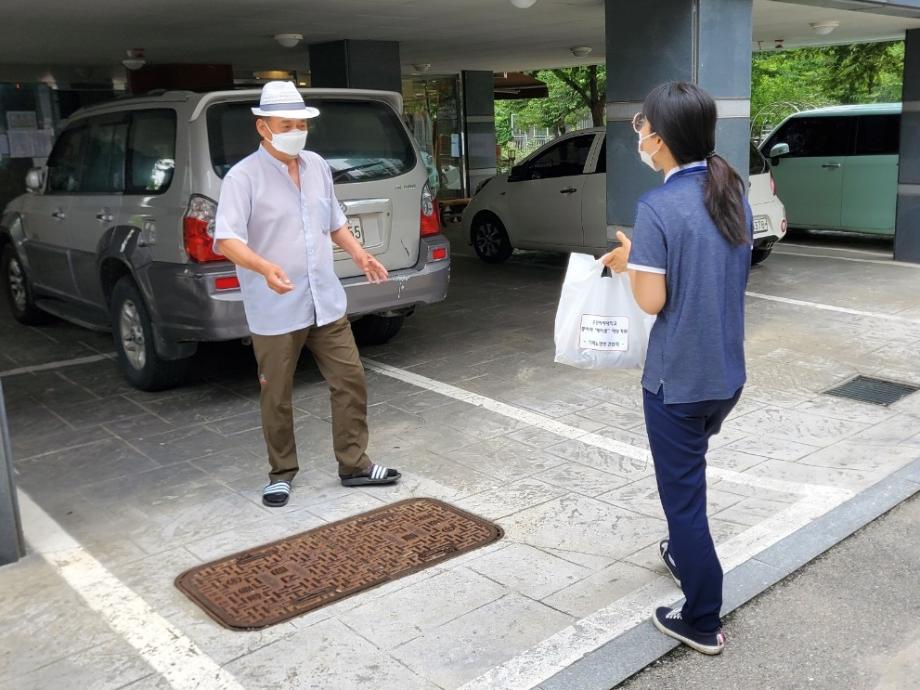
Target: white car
x=556, y=199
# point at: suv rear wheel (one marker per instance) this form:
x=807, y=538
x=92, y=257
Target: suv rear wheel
x=18, y=289
x=376, y=330
x=490, y=239
x=134, y=343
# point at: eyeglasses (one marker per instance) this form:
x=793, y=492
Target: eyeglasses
x=638, y=122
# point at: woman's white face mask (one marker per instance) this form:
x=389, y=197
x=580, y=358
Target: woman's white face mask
x=649, y=158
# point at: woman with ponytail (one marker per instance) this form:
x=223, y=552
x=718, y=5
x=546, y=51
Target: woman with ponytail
x=688, y=261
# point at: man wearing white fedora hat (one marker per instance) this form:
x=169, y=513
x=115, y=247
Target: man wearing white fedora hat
x=276, y=220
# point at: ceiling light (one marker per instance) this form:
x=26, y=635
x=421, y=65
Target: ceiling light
x=422, y=68
x=288, y=40
x=135, y=59
x=824, y=28
x=523, y=4
x=580, y=51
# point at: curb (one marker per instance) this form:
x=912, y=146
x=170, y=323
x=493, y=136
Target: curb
x=623, y=657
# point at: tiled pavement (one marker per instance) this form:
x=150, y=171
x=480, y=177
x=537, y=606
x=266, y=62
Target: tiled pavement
x=151, y=484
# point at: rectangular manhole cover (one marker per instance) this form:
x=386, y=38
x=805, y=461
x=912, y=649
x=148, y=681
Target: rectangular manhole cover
x=875, y=391
x=272, y=583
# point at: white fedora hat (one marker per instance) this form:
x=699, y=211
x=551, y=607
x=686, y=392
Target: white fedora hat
x=282, y=99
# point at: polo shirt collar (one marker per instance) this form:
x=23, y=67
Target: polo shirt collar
x=695, y=164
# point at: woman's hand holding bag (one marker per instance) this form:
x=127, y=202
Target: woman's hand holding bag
x=599, y=325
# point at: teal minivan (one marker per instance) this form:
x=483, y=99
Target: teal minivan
x=837, y=168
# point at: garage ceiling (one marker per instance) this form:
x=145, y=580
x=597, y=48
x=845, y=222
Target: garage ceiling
x=52, y=36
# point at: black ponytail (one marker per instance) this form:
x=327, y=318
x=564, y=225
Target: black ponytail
x=684, y=116
x=725, y=200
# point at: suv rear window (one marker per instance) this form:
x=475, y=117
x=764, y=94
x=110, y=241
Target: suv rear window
x=361, y=140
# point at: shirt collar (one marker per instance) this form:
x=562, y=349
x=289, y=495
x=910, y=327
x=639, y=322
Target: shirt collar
x=274, y=161
x=695, y=164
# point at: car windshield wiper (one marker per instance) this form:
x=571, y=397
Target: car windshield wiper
x=363, y=166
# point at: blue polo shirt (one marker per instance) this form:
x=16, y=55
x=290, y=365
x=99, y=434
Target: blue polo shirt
x=696, y=348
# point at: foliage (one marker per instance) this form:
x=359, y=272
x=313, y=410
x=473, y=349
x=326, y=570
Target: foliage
x=782, y=82
x=573, y=91
x=786, y=81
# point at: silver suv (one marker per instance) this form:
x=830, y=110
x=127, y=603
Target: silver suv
x=116, y=232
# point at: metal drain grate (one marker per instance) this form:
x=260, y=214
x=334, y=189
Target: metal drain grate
x=277, y=581
x=875, y=391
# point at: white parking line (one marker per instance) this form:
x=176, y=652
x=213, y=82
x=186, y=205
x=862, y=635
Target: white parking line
x=641, y=455
x=880, y=262
x=182, y=664
x=547, y=658
x=831, y=307
x=49, y=366
x=824, y=248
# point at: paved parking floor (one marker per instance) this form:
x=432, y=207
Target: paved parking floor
x=123, y=490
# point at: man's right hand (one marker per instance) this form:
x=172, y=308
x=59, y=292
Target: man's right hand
x=277, y=279
x=241, y=255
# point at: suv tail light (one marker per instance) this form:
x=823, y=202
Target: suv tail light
x=773, y=183
x=431, y=217
x=198, y=229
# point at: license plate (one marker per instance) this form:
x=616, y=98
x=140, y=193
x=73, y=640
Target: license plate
x=354, y=225
x=761, y=225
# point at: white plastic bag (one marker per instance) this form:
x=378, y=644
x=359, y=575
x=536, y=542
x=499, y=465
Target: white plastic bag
x=598, y=324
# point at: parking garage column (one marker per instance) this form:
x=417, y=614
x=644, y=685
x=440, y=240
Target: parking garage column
x=907, y=233
x=479, y=127
x=703, y=41
x=356, y=65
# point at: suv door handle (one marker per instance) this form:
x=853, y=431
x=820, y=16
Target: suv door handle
x=831, y=166
x=104, y=216
x=568, y=190
x=58, y=214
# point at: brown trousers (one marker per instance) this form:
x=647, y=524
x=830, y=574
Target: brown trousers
x=333, y=347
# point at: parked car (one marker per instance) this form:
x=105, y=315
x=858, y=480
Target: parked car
x=116, y=232
x=556, y=200
x=837, y=168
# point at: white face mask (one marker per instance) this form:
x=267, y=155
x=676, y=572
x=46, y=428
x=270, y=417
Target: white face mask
x=648, y=158
x=291, y=143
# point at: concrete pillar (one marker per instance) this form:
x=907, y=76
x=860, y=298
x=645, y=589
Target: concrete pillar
x=907, y=233
x=703, y=41
x=478, y=90
x=356, y=65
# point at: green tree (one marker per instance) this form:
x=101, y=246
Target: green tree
x=859, y=71
x=785, y=81
x=573, y=91
x=588, y=85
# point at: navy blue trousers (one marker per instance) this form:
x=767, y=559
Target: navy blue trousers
x=679, y=436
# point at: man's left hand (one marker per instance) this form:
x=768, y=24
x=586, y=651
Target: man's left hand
x=372, y=268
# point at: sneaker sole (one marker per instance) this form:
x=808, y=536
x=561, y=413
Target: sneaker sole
x=701, y=648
